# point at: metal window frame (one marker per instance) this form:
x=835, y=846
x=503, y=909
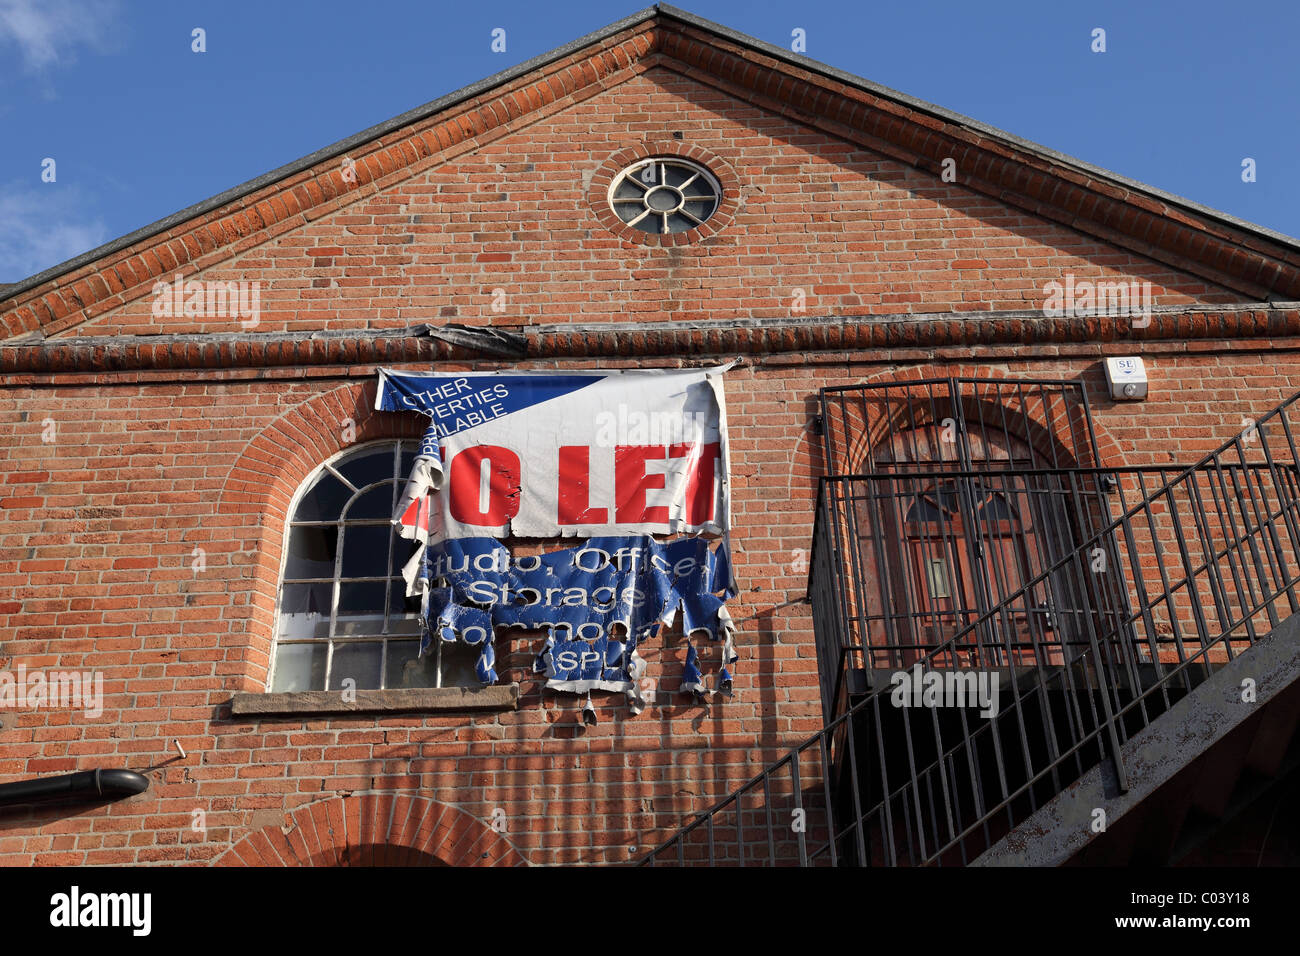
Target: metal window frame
x=331, y=465
x=629, y=173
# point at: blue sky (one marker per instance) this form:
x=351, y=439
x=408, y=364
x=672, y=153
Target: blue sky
x=140, y=126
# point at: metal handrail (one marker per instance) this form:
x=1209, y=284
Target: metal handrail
x=1090, y=678
x=1099, y=538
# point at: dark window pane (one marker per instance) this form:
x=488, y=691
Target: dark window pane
x=995, y=508
x=361, y=662
x=626, y=189
x=925, y=510
x=699, y=186
x=458, y=665
x=306, y=598
x=365, y=551
x=702, y=210
x=368, y=467
x=679, y=223
x=299, y=667
x=403, y=550
x=401, y=604
x=405, y=668
x=363, y=597
x=375, y=503
x=324, y=500
x=311, y=552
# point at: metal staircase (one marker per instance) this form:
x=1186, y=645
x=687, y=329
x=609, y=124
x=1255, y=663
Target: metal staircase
x=1139, y=622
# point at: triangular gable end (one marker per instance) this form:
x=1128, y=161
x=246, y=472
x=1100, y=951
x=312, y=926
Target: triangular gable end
x=1253, y=263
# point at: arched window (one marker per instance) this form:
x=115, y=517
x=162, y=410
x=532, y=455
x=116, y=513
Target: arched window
x=342, y=609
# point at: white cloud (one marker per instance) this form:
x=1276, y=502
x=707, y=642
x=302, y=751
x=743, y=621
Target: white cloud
x=41, y=226
x=48, y=32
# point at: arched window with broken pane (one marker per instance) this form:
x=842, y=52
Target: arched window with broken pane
x=342, y=609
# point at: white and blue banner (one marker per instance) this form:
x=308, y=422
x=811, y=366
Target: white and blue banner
x=615, y=457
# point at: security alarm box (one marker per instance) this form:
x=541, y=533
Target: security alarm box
x=1127, y=378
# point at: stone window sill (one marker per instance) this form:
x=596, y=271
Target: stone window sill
x=425, y=700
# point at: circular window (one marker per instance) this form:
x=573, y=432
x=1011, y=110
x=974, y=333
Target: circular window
x=664, y=194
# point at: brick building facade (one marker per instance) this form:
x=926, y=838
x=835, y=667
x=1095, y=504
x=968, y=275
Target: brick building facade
x=155, y=459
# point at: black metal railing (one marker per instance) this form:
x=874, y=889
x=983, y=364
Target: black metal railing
x=965, y=423
x=1097, y=630
x=901, y=562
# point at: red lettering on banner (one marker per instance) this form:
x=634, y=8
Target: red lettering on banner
x=417, y=515
x=631, y=484
x=699, y=479
x=574, y=494
x=491, y=499
x=465, y=484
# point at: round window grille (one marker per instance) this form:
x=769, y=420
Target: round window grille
x=664, y=194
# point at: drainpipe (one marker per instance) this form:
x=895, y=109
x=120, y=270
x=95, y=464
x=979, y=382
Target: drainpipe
x=84, y=785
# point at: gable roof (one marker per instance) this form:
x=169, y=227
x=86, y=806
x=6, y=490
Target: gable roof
x=1259, y=263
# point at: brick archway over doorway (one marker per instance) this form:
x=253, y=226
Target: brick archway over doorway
x=375, y=830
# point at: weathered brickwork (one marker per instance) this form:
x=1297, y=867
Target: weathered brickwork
x=124, y=457
x=822, y=226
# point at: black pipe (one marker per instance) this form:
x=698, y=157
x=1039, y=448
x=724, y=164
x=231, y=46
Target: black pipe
x=88, y=784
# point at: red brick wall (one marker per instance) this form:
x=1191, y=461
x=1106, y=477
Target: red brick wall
x=856, y=232
x=96, y=542
x=98, y=526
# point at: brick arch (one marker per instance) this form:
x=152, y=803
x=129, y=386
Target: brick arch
x=806, y=465
x=260, y=486
x=379, y=829
x=1045, y=432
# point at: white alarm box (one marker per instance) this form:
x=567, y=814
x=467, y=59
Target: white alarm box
x=1127, y=378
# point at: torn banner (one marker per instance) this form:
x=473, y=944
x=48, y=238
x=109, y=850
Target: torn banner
x=617, y=455
x=596, y=603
